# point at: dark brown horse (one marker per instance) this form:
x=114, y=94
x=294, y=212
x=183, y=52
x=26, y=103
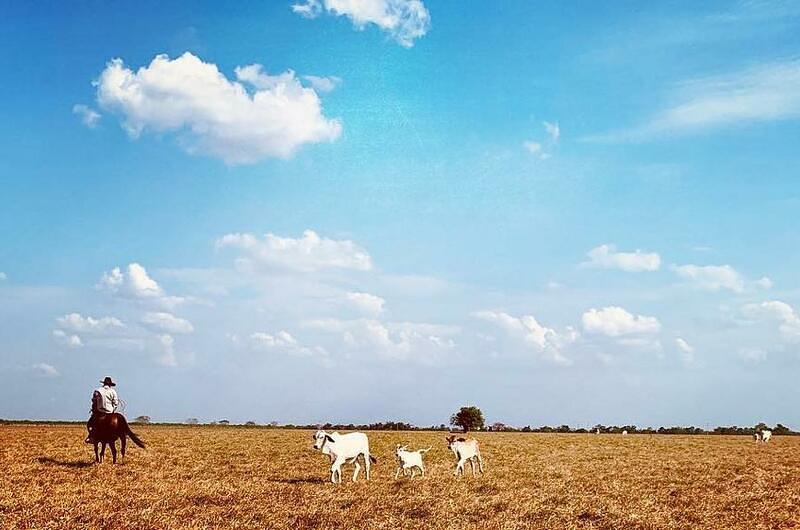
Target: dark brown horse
x=107, y=429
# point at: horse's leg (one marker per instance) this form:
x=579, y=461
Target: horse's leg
x=113, y=445
x=103, y=452
x=122, y=442
x=96, y=454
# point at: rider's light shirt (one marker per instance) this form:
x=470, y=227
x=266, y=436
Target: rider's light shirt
x=105, y=399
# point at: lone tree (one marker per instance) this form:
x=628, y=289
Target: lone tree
x=468, y=418
x=142, y=419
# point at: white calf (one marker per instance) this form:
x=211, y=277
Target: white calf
x=465, y=450
x=409, y=460
x=757, y=436
x=343, y=448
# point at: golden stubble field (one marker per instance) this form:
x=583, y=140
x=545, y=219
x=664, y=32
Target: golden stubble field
x=223, y=477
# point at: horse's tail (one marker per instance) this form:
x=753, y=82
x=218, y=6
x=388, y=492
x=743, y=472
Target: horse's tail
x=131, y=434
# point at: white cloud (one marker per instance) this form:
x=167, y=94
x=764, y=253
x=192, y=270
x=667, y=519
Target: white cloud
x=686, y=350
x=167, y=357
x=786, y=315
x=89, y=116
x=284, y=342
x=136, y=284
x=322, y=83
x=79, y=324
x=3, y=276
x=606, y=257
x=166, y=322
x=403, y=20
x=256, y=117
x=553, y=131
x=544, y=149
x=45, y=370
x=546, y=341
x=767, y=92
x=712, y=277
x=394, y=340
x=65, y=339
x=368, y=303
x=534, y=148
x=764, y=283
x=615, y=321
x=753, y=355
x=306, y=254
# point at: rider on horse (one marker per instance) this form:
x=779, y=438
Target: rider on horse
x=104, y=401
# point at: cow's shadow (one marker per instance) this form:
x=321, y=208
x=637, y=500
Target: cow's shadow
x=74, y=464
x=299, y=480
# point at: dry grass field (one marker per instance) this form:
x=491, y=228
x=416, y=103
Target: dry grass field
x=218, y=477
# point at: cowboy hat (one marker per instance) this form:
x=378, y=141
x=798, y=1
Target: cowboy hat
x=107, y=381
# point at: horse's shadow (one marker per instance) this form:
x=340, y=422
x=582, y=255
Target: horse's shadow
x=75, y=464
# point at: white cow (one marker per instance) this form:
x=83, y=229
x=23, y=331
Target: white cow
x=343, y=448
x=465, y=450
x=624, y=433
x=763, y=436
x=409, y=460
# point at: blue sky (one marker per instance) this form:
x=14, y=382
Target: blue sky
x=354, y=211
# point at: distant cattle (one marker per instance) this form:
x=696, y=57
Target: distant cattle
x=343, y=448
x=465, y=450
x=409, y=460
x=763, y=435
x=624, y=433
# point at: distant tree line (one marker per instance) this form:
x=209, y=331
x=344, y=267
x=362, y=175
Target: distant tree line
x=467, y=419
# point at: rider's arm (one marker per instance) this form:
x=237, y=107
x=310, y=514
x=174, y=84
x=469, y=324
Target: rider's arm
x=114, y=399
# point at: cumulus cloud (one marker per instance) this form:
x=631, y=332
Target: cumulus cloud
x=403, y=20
x=89, y=116
x=79, y=324
x=323, y=83
x=166, y=322
x=284, y=342
x=135, y=283
x=547, y=342
x=368, y=303
x=45, y=370
x=167, y=356
x=712, y=277
x=764, y=283
x=395, y=340
x=767, y=92
x=306, y=254
x=615, y=321
x=607, y=257
x=775, y=310
x=66, y=339
x=257, y=116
